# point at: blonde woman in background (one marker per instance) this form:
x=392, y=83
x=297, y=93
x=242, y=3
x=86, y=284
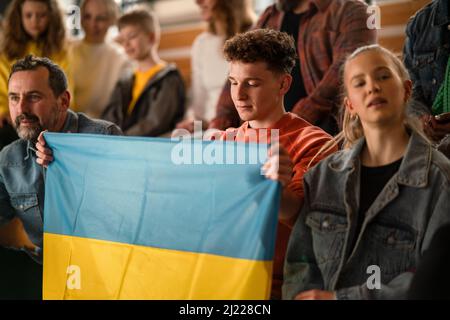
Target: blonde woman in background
x=97, y=64
x=225, y=18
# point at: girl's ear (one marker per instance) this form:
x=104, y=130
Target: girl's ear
x=408, y=89
x=348, y=105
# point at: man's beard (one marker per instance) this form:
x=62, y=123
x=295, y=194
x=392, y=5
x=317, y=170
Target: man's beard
x=30, y=132
x=287, y=5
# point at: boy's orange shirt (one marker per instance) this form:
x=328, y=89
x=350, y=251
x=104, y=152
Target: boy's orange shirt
x=302, y=141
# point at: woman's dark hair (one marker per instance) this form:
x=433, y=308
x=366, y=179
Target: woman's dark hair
x=233, y=16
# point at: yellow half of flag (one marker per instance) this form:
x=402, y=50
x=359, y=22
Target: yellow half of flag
x=99, y=269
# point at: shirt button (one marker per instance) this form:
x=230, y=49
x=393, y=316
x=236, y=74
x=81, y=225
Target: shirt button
x=21, y=207
x=325, y=224
x=391, y=239
x=433, y=81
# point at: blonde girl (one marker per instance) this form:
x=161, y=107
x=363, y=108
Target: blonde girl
x=374, y=206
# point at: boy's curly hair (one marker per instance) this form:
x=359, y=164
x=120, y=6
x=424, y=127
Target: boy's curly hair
x=275, y=48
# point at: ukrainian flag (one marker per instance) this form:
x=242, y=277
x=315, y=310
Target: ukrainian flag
x=134, y=218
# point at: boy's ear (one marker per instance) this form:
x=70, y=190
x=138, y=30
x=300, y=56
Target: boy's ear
x=286, y=82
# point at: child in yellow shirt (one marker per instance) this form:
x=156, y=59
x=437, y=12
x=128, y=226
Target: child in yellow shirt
x=150, y=101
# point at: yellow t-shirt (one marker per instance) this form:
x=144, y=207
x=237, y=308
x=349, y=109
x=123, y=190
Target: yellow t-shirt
x=141, y=78
x=62, y=59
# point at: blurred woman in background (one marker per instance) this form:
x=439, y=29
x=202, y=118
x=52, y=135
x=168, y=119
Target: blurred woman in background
x=225, y=18
x=29, y=27
x=97, y=63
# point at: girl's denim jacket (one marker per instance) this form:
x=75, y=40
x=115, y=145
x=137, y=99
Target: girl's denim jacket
x=396, y=230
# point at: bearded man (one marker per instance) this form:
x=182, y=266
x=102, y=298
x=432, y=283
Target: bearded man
x=38, y=100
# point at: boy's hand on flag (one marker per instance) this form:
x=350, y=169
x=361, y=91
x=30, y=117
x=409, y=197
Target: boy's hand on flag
x=278, y=166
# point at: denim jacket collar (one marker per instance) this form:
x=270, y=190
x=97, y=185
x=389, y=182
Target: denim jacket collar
x=349, y=159
x=413, y=170
x=71, y=124
x=416, y=163
x=30, y=149
x=442, y=15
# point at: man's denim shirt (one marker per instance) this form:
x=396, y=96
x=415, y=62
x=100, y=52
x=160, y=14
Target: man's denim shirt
x=427, y=49
x=22, y=179
x=396, y=230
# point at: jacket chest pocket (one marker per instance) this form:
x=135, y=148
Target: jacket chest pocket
x=27, y=209
x=328, y=235
x=24, y=202
x=391, y=248
x=423, y=64
x=422, y=60
x=428, y=66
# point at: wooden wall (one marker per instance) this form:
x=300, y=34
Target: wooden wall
x=175, y=47
x=394, y=17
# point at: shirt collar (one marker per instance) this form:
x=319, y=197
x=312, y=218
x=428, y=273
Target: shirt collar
x=71, y=123
x=321, y=4
x=276, y=125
